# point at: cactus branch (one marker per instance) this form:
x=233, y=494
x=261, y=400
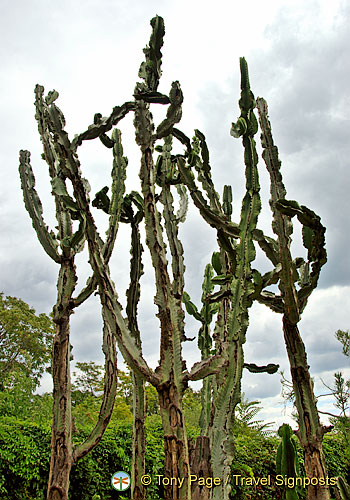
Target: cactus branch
x=109, y=393
x=253, y=368
x=212, y=218
x=310, y=432
x=35, y=209
x=202, y=369
x=118, y=175
x=104, y=125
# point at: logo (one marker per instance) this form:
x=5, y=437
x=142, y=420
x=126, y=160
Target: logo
x=121, y=481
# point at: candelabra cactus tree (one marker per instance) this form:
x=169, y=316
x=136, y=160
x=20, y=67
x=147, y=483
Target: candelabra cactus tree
x=292, y=301
x=222, y=358
x=239, y=285
x=50, y=124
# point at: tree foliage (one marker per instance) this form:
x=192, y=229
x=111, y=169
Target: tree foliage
x=25, y=342
x=344, y=338
x=89, y=378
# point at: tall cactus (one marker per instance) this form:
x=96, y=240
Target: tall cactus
x=222, y=359
x=238, y=281
x=51, y=122
x=228, y=386
x=168, y=294
x=292, y=301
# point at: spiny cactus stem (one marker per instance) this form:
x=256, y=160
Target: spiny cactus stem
x=176, y=249
x=169, y=307
x=106, y=124
x=204, y=173
x=212, y=218
x=118, y=175
x=310, y=431
x=139, y=403
x=229, y=382
x=109, y=393
x=282, y=225
x=35, y=209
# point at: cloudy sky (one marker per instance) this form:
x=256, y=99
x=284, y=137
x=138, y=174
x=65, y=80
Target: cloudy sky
x=90, y=51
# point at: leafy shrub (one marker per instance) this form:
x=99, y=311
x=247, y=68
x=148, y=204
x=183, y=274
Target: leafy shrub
x=25, y=457
x=254, y=456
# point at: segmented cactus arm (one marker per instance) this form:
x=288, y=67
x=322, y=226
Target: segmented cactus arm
x=205, y=367
x=34, y=208
x=174, y=111
x=136, y=271
x=282, y=225
x=314, y=242
x=104, y=124
x=212, y=218
x=253, y=368
x=150, y=69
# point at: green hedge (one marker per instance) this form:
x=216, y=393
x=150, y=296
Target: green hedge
x=25, y=456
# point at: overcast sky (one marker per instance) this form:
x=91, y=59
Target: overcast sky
x=90, y=51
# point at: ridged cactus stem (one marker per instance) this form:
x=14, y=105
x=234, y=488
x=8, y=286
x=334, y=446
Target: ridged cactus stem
x=171, y=366
x=170, y=312
x=310, y=432
x=109, y=393
x=171, y=222
x=205, y=345
x=287, y=463
x=215, y=220
x=138, y=490
x=228, y=391
x=205, y=316
x=118, y=175
x=138, y=438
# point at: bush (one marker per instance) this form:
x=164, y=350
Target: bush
x=25, y=458
x=254, y=456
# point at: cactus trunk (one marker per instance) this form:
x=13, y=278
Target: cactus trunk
x=170, y=313
x=310, y=433
x=201, y=467
x=239, y=283
x=176, y=465
x=61, y=434
x=293, y=302
x=138, y=465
